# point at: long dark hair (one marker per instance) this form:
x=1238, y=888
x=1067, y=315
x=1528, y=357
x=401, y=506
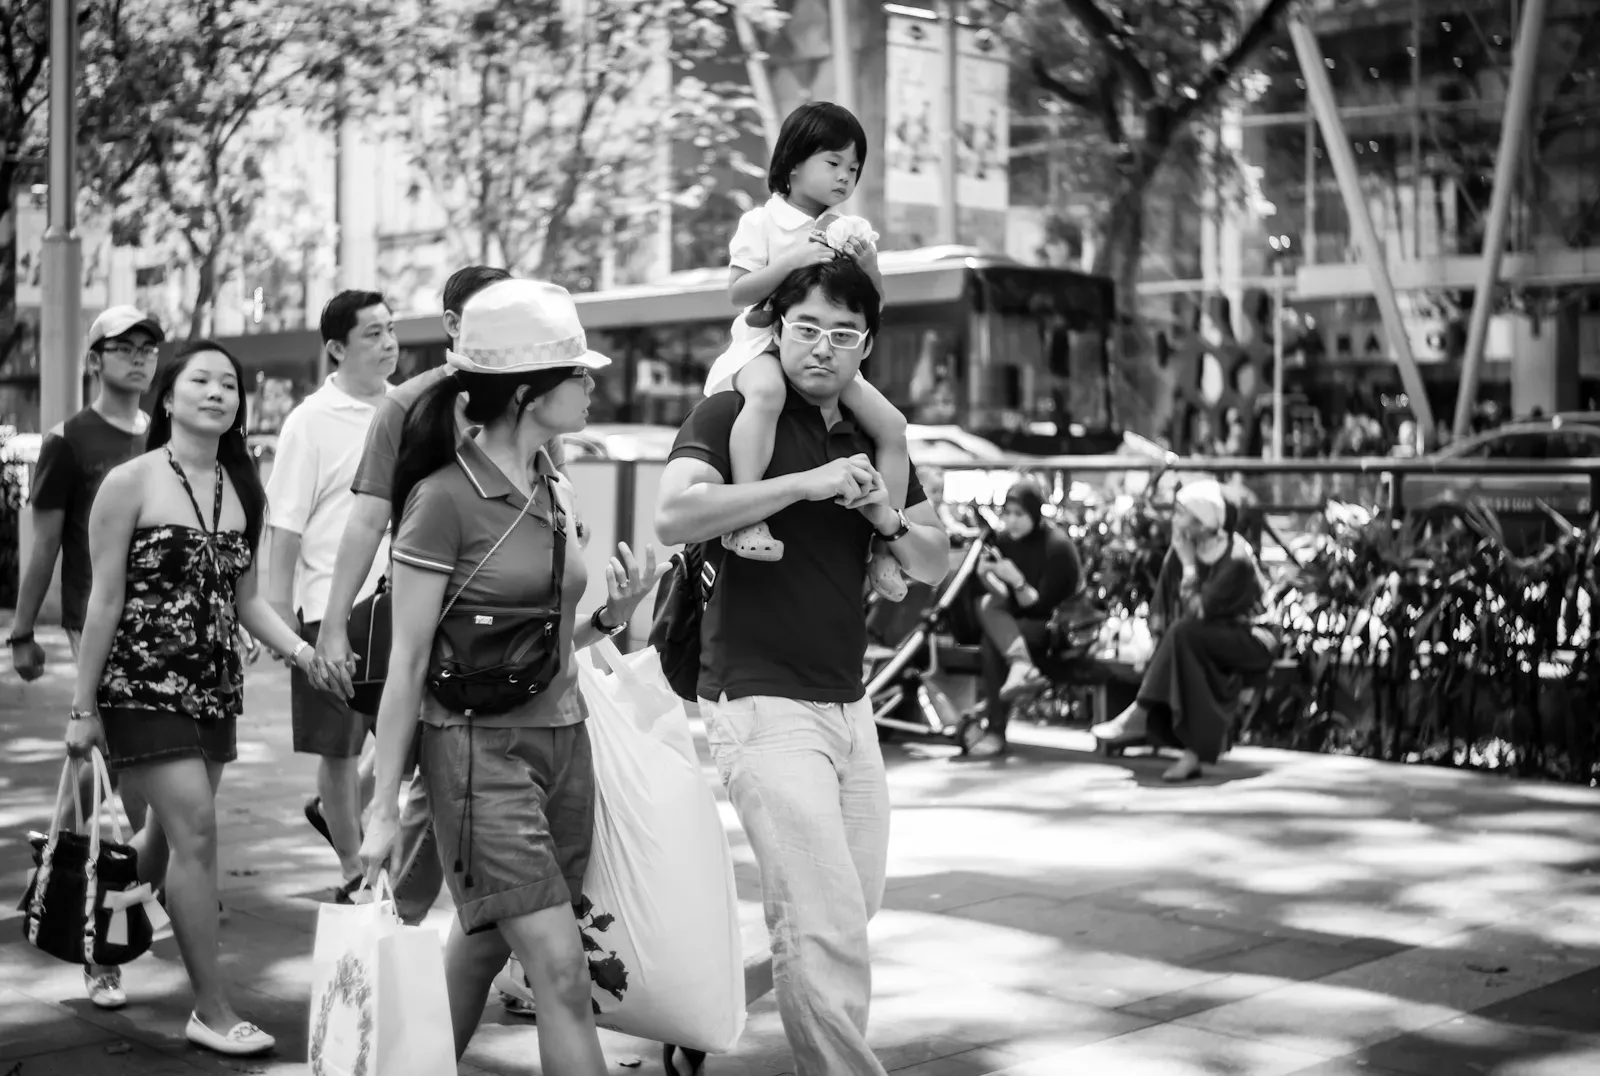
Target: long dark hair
x=429, y=441
x=232, y=451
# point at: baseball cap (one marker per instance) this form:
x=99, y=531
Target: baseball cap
x=116, y=320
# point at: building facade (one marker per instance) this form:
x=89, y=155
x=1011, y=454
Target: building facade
x=1422, y=89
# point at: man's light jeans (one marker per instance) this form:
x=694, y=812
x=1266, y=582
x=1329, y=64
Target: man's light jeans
x=807, y=781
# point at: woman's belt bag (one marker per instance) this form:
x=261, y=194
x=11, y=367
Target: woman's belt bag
x=488, y=659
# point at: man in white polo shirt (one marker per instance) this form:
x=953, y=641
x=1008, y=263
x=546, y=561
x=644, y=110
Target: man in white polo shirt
x=309, y=501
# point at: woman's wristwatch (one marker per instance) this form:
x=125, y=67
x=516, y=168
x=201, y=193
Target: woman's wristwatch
x=597, y=622
x=294, y=655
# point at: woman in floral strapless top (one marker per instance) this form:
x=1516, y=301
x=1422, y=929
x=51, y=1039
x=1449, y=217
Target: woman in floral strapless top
x=160, y=683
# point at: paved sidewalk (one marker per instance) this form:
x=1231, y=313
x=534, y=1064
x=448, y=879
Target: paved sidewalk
x=1055, y=914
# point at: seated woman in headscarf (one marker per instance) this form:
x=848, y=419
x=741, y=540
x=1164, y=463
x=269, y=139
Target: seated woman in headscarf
x=1207, y=615
x=1031, y=568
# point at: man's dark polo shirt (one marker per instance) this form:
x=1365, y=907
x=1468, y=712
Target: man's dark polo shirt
x=796, y=628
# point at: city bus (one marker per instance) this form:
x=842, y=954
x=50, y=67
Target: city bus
x=1015, y=353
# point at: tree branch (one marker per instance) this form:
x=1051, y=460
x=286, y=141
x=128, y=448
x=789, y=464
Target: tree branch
x=1587, y=43
x=1072, y=95
x=1222, y=72
x=22, y=83
x=1110, y=115
x=110, y=189
x=1100, y=26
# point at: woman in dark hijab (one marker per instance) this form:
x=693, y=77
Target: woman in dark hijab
x=1031, y=568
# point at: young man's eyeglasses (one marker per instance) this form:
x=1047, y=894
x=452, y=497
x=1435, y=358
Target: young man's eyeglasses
x=128, y=351
x=838, y=339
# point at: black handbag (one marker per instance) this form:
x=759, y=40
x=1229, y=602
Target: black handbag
x=488, y=659
x=84, y=903
x=1074, y=628
x=370, y=631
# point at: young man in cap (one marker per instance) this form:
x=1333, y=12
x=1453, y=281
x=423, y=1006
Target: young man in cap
x=74, y=457
x=309, y=504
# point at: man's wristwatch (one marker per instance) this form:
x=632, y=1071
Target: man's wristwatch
x=19, y=638
x=902, y=528
x=597, y=622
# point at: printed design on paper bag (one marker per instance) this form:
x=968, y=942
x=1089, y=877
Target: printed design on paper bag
x=607, y=971
x=349, y=987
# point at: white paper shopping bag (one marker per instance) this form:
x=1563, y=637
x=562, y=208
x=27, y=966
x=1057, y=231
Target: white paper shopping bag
x=378, y=1001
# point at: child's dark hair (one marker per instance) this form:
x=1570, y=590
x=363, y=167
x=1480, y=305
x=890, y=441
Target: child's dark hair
x=429, y=440
x=814, y=127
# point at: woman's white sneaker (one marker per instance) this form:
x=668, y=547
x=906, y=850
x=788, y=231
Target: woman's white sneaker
x=242, y=1039
x=104, y=987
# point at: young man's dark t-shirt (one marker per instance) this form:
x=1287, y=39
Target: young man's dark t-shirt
x=72, y=463
x=794, y=629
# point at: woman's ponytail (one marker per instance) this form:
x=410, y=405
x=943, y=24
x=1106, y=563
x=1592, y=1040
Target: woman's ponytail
x=428, y=441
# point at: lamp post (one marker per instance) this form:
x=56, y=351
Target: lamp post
x=950, y=209
x=844, y=60
x=1277, y=360
x=60, y=382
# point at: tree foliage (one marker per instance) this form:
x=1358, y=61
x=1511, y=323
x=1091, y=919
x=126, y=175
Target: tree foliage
x=551, y=130
x=1133, y=84
x=24, y=52
x=187, y=99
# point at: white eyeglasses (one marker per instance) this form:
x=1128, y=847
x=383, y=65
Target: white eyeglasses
x=838, y=339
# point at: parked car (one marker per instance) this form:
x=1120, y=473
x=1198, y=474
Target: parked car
x=620, y=441
x=930, y=445
x=935, y=446
x=1515, y=498
x=21, y=448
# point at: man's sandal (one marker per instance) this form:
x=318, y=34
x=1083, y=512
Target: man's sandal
x=887, y=578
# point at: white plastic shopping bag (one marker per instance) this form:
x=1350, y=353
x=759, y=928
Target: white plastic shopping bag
x=378, y=1000
x=662, y=922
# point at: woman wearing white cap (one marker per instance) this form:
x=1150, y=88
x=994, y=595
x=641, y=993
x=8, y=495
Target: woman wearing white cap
x=1208, y=613
x=487, y=576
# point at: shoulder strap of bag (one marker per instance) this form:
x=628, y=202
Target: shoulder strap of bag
x=106, y=798
x=66, y=789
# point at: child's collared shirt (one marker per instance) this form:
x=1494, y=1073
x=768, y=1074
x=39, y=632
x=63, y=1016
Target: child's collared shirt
x=768, y=232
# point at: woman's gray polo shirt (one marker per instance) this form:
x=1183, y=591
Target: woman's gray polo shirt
x=452, y=519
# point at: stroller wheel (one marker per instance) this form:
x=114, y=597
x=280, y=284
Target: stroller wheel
x=969, y=731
